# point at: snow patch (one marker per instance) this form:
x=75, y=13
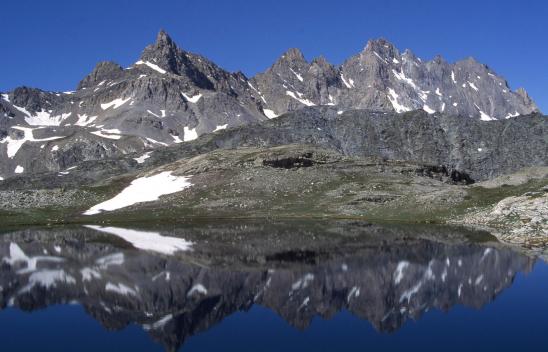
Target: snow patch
x=516, y=114
x=299, y=99
x=193, y=99
x=152, y=66
x=142, y=158
x=84, y=120
x=483, y=115
x=190, y=134
x=472, y=85
x=380, y=58
x=109, y=134
x=220, y=127
x=270, y=113
x=393, y=97
x=349, y=84
x=153, y=141
x=19, y=169
x=299, y=77
x=116, y=103
x=428, y=109
x=143, y=189
x=15, y=144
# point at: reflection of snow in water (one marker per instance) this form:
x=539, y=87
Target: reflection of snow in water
x=151, y=241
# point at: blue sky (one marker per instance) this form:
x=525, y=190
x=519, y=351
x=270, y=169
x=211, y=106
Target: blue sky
x=53, y=44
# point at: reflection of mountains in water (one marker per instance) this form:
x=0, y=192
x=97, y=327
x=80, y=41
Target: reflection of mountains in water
x=388, y=277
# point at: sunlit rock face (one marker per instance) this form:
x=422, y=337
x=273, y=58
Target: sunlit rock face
x=383, y=275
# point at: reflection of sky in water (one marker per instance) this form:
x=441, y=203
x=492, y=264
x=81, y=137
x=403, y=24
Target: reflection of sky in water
x=423, y=296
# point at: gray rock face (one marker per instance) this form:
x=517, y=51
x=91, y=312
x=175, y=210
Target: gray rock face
x=481, y=150
x=382, y=78
x=171, y=96
x=387, y=277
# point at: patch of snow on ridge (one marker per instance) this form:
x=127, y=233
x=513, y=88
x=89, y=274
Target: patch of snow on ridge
x=143, y=189
x=299, y=77
x=15, y=144
x=152, y=66
x=105, y=134
x=190, y=134
x=6, y=97
x=84, y=120
x=484, y=116
x=19, y=169
x=150, y=241
x=473, y=86
x=153, y=141
x=116, y=103
x=510, y=115
x=142, y=158
x=393, y=97
x=428, y=109
x=346, y=83
x=380, y=58
x=43, y=117
x=299, y=99
x=270, y=113
x=194, y=99
x=220, y=127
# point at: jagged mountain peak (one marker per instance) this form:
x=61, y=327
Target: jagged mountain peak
x=381, y=46
x=164, y=53
x=292, y=55
x=163, y=39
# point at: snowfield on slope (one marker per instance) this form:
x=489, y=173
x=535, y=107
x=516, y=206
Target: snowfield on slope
x=143, y=189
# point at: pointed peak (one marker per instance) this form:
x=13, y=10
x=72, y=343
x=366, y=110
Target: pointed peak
x=380, y=44
x=163, y=38
x=293, y=54
x=382, y=47
x=163, y=53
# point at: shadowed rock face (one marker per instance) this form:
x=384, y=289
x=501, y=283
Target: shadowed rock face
x=171, y=96
x=383, y=275
x=464, y=150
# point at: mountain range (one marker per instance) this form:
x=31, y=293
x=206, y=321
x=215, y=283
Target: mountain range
x=171, y=96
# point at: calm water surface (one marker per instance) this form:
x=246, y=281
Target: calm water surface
x=337, y=286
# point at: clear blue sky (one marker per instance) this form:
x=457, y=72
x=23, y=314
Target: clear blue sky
x=53, y=44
